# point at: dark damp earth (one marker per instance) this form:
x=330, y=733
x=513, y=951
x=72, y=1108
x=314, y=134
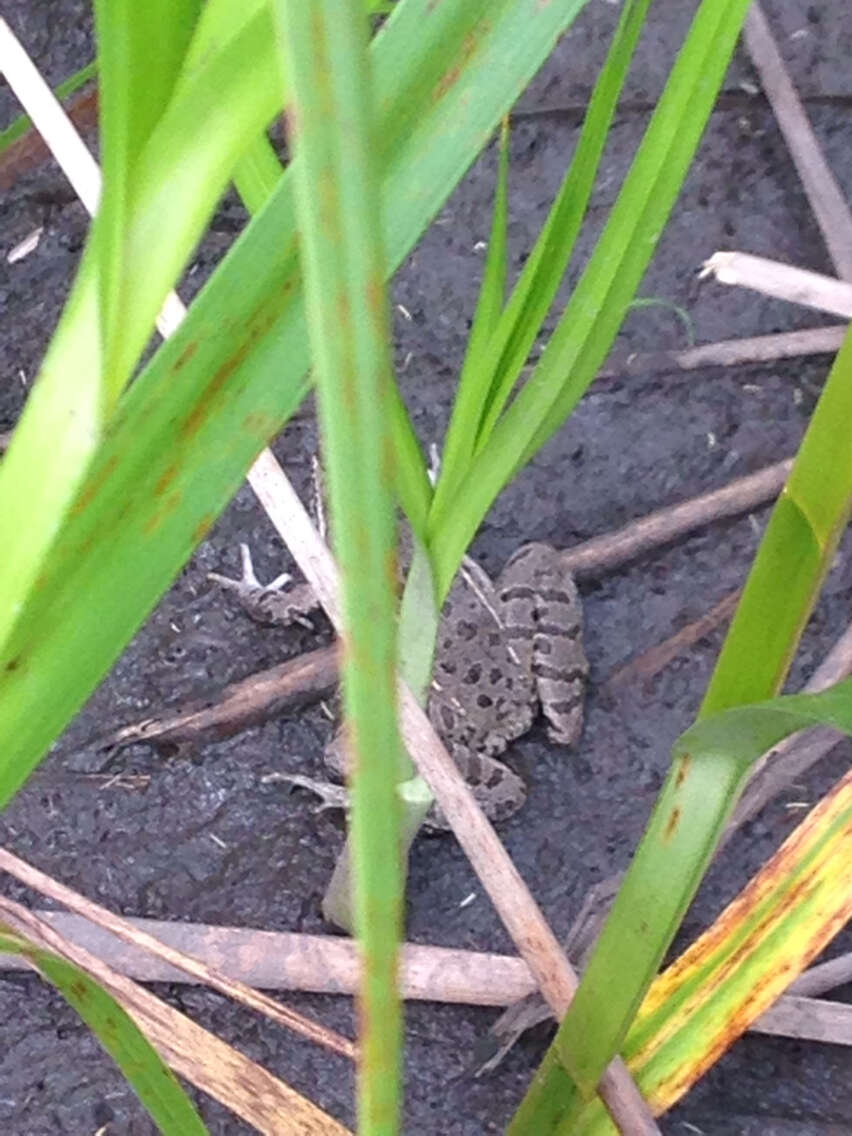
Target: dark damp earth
x=205, y=839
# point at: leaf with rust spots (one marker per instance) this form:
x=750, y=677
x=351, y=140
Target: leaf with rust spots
x=94, y=485
x=185, y=355
x=671, y=825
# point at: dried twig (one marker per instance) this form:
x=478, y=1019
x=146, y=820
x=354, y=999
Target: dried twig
x=825, y=976
x=824, y=195
x=248, y=702
x=783, y=281
x=809, y=1019
x=200, y=971
x=329, y=964
x=652, y=661
x=731, y=352
x=322, y=964
x=612, y=550
x=205, y=1060
x=283, y=960
x=30, y=151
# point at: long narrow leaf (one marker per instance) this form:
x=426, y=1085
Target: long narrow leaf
x=70, y=404
x=140, y=53
x=474, y=380
x=713, y=759
x=483, y=390
x=150, y=1078
x=594, y=314
x=325, y=45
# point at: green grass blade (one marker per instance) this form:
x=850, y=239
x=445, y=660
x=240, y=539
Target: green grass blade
x=140, y=53
x=484, y=390
x=151, y=1079
x=711, y=761
x=543, y=272
x=256, y=176
x=474, y=380
x=702, y=789
x=22, y=124
x=325, y=46
x=188, y=429
x=257, y=173
x=591, y=320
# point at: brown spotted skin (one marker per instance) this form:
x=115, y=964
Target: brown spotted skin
x=543, y=620
x=503, y=651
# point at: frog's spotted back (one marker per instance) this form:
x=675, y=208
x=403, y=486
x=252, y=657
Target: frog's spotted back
x=543, y=620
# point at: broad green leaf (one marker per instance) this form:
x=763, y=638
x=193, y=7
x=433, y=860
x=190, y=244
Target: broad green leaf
x=177, y=180
x=588, y=326
x=337, y=198
x=150, y=1078
x=187, y=430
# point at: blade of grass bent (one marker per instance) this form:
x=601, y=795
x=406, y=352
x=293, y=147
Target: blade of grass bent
x=176, y=451
x=150, y=1078
x=586, y=329
x=702, y=788
x=325, y=46
x=796, y=550
x=483, y=390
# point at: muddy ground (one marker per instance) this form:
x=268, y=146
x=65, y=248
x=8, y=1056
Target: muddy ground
x=206, y=840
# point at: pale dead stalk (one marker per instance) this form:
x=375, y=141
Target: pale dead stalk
x=783, y=281
x=324, y=964
x=287, y=960
x=731, y=352
x=604, y=553
x=205, y=1060
x=199, y=970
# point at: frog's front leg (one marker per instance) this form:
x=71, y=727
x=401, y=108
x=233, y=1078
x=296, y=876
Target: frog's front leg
x=498, y=790
x=272, y=603
x=543, y=618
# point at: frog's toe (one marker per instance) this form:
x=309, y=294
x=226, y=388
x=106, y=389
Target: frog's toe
x=248, y=583
x=273, y=603
x=331, y=796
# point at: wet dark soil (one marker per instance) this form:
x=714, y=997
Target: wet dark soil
x=207, y=840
